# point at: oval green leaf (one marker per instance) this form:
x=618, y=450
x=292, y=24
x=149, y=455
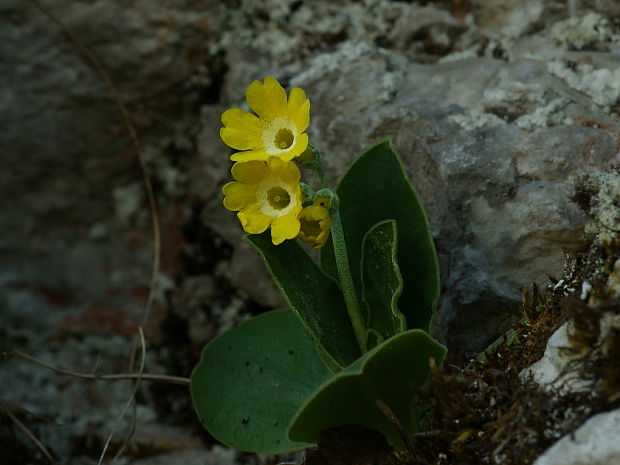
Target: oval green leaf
x=252, y=380
x=376, y=188
x=385, y=374
x=313, y=296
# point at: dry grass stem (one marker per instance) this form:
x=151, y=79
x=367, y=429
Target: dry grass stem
x=122, y=376
x=28, y=433
x=130, y=401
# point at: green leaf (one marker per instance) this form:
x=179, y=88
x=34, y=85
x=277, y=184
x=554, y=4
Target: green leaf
x=313, y=296
x=376, y=188
x=382, y=283
x=251, y=381
x=386, y=373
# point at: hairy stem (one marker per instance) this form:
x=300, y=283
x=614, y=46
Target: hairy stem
x=341, y=255
x=346, y=280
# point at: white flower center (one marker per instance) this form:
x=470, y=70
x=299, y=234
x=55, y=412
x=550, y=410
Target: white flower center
x=279, y=135
x=275, y=198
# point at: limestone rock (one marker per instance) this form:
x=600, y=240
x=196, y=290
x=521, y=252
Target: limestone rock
x=594, y=443
x=493, y=127
x=509, y=186
x=552, y=370
x=561, y=368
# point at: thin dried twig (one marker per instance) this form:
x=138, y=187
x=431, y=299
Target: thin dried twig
x=131, y=376
x=129, y=435
x=28, y=433
x=131, y=399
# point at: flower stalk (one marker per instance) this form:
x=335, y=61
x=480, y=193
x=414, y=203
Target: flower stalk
x=344, y=274
x=340, y=250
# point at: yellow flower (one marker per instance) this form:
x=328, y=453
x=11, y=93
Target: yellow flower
x=278, y=130
x=266, y=194
x=315, y=223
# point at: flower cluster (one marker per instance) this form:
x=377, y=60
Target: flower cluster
x=266, y=191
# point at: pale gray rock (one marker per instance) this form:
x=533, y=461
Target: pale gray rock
x=472, y=287
x=498, y=179
x=563, y=152
x=558, y=371
x=493, y=147
x=603, y=205
x=211, y=166
x=552, y=372
x=579, y=31
x=594, y=443
x=493, y=138
x=247, y=272
x=515, y=233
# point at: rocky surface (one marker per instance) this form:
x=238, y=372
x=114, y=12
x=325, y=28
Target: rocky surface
x=494, y=127
x=594, y=443
x=560, y=369
x=497, y=109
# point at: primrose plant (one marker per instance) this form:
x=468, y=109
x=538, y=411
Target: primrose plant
x=354, y=344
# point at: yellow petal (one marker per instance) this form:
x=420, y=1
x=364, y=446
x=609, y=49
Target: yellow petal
x=275, y=164
x=238, y=195
x=253, y=220
x=250, y=155
x=236, y=118
x=298, y=109
x=321, y=240
x=240, y=140
x=298, y=147
x=290, y=173
x=285, y=170
x=295, y=99
x=315, y=225
x=285, y=227
x=250, y=172
x=268, y=100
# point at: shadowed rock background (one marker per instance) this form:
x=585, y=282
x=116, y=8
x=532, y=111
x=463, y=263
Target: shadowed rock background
x=497, y=108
